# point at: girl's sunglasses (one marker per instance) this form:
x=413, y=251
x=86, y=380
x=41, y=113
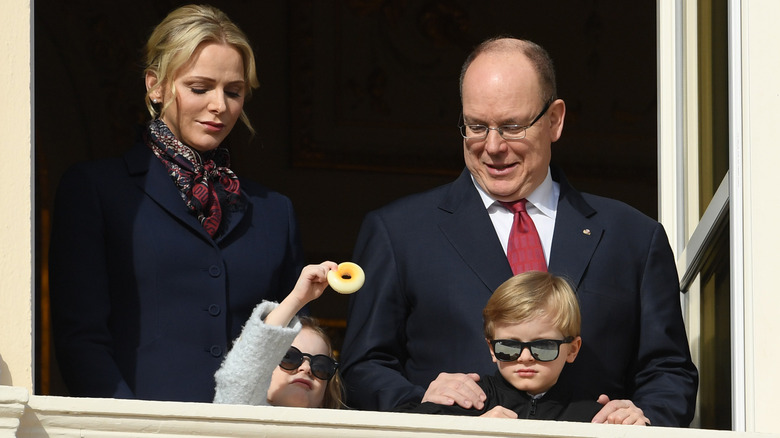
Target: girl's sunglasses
x=543, y=350
x=322, y=367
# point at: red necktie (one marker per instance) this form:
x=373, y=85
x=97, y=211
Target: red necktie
x=524, y=250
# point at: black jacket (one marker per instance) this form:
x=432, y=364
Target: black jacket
x=556, y=404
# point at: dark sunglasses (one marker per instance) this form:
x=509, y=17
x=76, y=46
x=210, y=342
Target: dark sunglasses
x=322, y=367
x=543, y=350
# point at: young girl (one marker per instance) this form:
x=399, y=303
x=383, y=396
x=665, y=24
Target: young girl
x=281, y=359
x=311, y=355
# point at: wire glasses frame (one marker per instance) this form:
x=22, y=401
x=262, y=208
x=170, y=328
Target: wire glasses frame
x=543, y=350
x=322, y=367
x=507, y=132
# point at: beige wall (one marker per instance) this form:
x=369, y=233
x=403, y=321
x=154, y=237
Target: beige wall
x=16, y=195
x=761, y=146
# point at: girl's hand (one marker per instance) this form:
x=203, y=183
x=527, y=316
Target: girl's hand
x=310, y=285
x=312, y=282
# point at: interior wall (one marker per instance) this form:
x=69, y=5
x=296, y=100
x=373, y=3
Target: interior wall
x=358, y=102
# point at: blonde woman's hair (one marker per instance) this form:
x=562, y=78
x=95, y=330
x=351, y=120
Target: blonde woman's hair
x=180, y=34
x=334, y=391
x=529, y=295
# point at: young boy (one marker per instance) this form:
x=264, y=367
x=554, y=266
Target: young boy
x=532, y=327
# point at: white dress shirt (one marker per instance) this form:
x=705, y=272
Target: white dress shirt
x=541, y=207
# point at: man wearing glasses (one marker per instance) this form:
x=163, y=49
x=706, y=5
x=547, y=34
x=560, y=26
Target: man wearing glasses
x=432, y=261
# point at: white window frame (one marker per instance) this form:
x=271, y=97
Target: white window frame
x=678, y=175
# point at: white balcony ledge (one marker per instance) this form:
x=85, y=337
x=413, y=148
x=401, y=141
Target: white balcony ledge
x=22, y=415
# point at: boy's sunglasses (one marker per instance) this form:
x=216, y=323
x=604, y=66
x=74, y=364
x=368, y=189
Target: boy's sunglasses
x=543, y=350
x=322, y=367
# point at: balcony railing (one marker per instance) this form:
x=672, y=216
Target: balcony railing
x=24, y=415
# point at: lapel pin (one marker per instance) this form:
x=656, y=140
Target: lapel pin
x=586, y=232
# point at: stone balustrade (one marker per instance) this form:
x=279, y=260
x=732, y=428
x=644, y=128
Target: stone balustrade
x=25, y=415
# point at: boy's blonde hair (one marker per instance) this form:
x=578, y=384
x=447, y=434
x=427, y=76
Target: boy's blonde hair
x=180, y=34
x=529, y=295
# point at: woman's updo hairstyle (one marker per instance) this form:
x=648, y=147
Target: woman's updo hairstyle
x=178, y=36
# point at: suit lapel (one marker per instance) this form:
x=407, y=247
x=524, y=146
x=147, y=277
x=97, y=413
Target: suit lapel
x=149, y=175
x=468, y=228
x=576, y=236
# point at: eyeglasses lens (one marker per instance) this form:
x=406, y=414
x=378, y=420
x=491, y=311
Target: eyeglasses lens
x=322, y=367
x=543, y=350
x=292, y=359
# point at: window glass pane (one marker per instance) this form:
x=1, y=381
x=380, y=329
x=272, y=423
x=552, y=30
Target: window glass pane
x=715, y=345
x=715, y=355
x=713, y=98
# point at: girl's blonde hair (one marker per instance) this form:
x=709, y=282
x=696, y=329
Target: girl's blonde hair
x=180, y=34
x=334, y=391
x=529, y=295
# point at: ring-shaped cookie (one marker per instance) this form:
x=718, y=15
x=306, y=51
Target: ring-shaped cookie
x=347, y=279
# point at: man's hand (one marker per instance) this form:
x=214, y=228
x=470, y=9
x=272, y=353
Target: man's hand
x=619, y=412
x=462, y=389
x=500, y=412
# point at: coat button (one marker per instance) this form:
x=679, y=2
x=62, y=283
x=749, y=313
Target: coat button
x=215, y=350
x=214, y=310
x=214, y=270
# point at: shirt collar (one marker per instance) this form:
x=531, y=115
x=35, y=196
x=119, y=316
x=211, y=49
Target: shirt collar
x=543, y=198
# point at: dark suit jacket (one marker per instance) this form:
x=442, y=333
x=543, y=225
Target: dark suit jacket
x=555, y=404
x=144, y=302
x=433, y=259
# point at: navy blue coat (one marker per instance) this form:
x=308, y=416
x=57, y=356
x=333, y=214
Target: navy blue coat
x=144, y=302
x=433, y=259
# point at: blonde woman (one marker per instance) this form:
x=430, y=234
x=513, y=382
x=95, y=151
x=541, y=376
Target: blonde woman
x=159, y=257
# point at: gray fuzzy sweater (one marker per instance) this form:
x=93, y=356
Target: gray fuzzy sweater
x=245, y=375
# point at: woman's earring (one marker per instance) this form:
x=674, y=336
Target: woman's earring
x=154, y=101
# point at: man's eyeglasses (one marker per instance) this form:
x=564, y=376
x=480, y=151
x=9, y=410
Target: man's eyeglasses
x=543, y=350
x=507, y=132
x=322, y=367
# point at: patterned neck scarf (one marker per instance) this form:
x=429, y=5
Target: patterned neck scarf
x=206, y=183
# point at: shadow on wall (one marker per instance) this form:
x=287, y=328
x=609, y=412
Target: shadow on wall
x=5, y=376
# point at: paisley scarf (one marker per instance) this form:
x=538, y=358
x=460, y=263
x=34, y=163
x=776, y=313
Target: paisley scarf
x=206, y=182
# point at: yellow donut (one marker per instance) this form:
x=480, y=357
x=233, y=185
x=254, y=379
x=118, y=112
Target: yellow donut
x=347, y=279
